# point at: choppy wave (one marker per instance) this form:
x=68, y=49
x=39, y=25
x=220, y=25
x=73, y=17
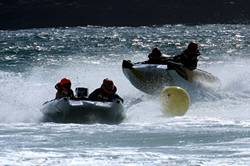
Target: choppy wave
x=214, y=131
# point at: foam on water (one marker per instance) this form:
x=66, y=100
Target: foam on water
x=231, y=100
x=24, y=93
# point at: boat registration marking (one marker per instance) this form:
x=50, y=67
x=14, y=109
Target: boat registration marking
x=162, y=66
x=75, y=103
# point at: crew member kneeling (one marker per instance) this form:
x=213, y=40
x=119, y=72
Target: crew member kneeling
x=64, y=89
x=189, y=57
x=107, y=92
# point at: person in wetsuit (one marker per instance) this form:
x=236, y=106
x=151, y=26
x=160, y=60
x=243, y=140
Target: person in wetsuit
x=107, y=92
x=64, y=89
x=189, y=57
x=156, y=57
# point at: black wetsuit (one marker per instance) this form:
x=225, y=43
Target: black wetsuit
x=100, y=95
x=188, y=59
x=63, y=93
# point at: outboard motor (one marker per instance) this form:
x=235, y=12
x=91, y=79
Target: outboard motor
x=81, y=92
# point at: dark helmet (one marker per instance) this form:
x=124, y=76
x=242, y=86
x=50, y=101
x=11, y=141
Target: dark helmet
x=108, y=86
x=192, y=47
x=155, y=53
x=65, y=83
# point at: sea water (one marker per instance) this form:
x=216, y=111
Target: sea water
x=215, y=130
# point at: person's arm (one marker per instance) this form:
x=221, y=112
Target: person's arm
x=116, y=96
x=165, y=60
x=177, y=58
x=58, y=95
x=192, y=64
x=71, y=95
x=94, y=95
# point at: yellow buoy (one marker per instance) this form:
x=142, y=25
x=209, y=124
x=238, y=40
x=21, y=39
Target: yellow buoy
x=174, y=100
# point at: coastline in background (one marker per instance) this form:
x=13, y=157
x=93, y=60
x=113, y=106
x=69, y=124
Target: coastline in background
x=23, y=14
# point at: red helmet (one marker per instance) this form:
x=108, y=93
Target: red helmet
x=108, y=86
x=65, y=81
x=192, y=46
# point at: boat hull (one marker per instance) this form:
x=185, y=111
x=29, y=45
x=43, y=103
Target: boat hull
x=152, y=78
x=83, y=111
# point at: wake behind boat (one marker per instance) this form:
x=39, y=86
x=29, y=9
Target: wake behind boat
x=151, y=78
x=66, y=110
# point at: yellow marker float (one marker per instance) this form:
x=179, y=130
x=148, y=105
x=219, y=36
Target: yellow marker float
x=174, y=101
